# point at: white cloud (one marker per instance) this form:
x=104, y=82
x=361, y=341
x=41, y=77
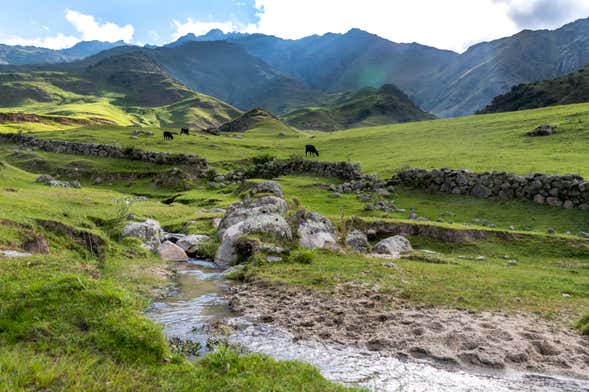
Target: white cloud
x=448, y=24
x=200, y=28
x=92, y=30
x=58, y=41
x=88, y=28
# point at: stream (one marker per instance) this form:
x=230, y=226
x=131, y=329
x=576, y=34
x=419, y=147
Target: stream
x=199, y=300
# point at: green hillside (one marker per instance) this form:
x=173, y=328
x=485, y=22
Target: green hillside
x=367, y=107
x=121, y=90
x=478, y=143
x=572, y=88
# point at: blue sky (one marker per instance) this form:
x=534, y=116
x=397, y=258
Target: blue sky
x=447, y=24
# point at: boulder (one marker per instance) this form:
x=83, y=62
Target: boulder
x=265, y=188
x=169, y=251
x=149, y=232
x=393, y=246
x=44, y=179
x=241, y=211
x=357, y=241
x=191, y=243
x=542, y=130
x=268, y=225
x=315, y=231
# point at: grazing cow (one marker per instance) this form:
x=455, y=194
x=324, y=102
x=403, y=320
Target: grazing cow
x=184, y=131
x=310, y=149
x=168, y=135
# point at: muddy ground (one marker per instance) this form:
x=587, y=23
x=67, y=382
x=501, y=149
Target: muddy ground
x=382, y=322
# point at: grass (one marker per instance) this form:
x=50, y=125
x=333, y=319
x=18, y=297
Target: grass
x=70, y=96
x=551, y=277
x=69, y=321
x=478, y=143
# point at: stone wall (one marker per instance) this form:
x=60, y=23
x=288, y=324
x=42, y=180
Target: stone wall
x=199, y=166
x=568, y=191
x=277, y=167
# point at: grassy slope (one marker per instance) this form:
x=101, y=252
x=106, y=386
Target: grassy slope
x=366, y=107
x=153, y=100
x=484, y=142
x=71, y=322
x=572, y=88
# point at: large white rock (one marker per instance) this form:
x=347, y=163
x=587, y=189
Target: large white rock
x=392, y=246
x=149, y=232
x=271, y=225
x=241, y=211
x=191, y=243
x=315, y=231
x=169, y=251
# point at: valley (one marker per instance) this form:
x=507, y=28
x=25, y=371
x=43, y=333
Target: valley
x=238, y=211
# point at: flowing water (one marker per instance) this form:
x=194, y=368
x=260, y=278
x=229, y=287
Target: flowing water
x=199, y=300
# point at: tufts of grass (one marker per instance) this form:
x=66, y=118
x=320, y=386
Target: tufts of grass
x=301, y=256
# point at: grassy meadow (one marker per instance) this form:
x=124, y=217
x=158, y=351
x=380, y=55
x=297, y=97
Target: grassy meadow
x=477, y=143
x=73, y=321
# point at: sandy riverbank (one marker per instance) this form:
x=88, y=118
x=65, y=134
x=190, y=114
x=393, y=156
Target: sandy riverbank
x=381, y=322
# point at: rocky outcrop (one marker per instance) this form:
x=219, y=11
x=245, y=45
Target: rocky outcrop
x=50, y=181
x=392, y=246
x=199, y=166
x=169, y=251
x=357, y=241
x=267, y=225
x=241, y=211
x=261, y=213
x=149, y=232
x=315, y=231
x=568, y=191
x=542, y=130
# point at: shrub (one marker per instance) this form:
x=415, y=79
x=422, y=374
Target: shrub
x=262, y=159
x=208, y=249
x=301, y=256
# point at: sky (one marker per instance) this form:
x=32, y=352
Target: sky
x=445, y=24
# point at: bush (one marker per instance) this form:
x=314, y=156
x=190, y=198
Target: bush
x=262, y=159
x=208, y=249
x=301, y=256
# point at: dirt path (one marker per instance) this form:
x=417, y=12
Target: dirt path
x=363, y=317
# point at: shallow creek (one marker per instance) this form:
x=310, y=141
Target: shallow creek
x=199, y=299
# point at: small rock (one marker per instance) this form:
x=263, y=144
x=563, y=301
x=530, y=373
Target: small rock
x=511, y=263
x=551, y=231
x=389, y=264
x=335, y=195
x=393, y=246
x=481, y=258
x=273, y=259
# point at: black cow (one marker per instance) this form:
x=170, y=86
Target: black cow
x=310, y=149
x=184, y=131
x=168, y=135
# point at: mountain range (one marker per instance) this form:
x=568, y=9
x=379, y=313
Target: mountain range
x=31, y=54
x=256, y=70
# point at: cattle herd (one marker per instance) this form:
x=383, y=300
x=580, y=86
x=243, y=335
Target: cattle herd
x=309, y=148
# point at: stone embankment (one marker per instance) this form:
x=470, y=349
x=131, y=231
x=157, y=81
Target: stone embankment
x=568, y=191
